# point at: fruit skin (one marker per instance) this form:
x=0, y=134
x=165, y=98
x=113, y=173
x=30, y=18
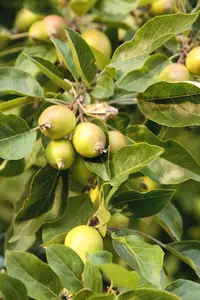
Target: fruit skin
x=36, y=31
x=5, y=37
x=84, y=239
x=161, y=7
x=95, y=196
x=116, y=141
x=53, y=26
x=193, y=61
x=60, y=154
x=81, y=173
x=89, y=140
x=118, y=220
x=60, y=119
x=98, y=40
x=175, y=72
x=24, y=19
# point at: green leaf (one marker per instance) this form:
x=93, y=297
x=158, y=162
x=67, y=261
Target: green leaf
x=102, y=297
x=18, y=82
x=102, y=60
x=12, y=168
x=189, y=252
x=42, y=194
x=149, y=37
x=119, y=7
x=18, y=102
x=11, y=288
x=139, y=80
x=66, y=54
x=185, y=289
x=46, y=203
x=100, y=257
x=39, y=279
x=83, y=295
x=81, y=7
x=175, y=165
x=148, y=294
x=92, y=278
x=171, y=104
x=50, y=71
x=67, y=265
x=120, y=121
x=104, y=88
x=148, y=259
x=142, y=205
x=45, y=51
x=82, y=55
x=120, y=276
x=79, y=209
x=131, y=159
x=16, y=139
x=171, y=221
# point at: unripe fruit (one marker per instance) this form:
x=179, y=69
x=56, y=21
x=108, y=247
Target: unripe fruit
x=57, y=121
x=60, y=154
x=5, y=37
x=24, y=19
x=193, y=61
x=89, y=140
x=116, y=141
x=53, y=27
x=161, y=7
x=36, y=31
x=98, y=40
x=118, y=220
x=84, y=240
x=81, y=173
x=175, y=72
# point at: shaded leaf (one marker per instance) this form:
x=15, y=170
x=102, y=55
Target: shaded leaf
x=185, y=289
x=92, y=278
x=82, y=55
x=171, y=221
x=16, y=139
x=104, y=87
x=50, y=71
x=80, y=7
x=142, y=205
x=67, y=265
x=18, y=102
x=39, y=279
x=148, y=294
x=12, y=168
x=11, y=288
x=79, y=209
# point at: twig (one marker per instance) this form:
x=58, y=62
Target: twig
x=56, y=101
x=19, y=36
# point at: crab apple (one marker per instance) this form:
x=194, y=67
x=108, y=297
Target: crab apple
x=193, y=61
x=24, y=19
x=118, y=220
x=5, y=37
x=84, y=240
x=36, y=31
x=81, y=173
x=89, y=140
x=98, y=40
x=175, y=72
x=53, y=27
x=57, y=121
x=161, y=7
x=60, y=154
x=116, y=140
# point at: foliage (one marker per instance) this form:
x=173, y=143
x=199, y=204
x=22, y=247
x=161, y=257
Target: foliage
x=151, y=178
